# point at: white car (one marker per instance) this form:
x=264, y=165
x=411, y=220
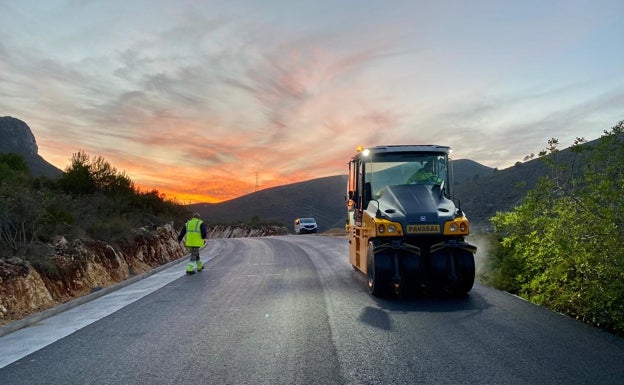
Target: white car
x=305, y=226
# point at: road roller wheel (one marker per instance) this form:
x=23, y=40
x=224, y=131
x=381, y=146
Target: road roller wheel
x=379, y=273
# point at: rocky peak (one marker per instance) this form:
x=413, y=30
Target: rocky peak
x=16, y=137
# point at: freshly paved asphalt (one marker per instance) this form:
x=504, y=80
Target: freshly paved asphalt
x=291, y=310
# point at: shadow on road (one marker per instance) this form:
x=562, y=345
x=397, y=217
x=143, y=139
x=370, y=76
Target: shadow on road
x=472, y=304
x=378, y=316
x=434, y=302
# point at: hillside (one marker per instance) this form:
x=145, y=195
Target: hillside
x=322, y=198
x=481, y=198
x=466, y=170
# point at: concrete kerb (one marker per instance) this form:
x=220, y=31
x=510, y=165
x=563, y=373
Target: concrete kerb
x=37, y=317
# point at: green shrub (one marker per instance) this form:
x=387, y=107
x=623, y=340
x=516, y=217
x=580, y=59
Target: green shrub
x=561, y=247
x=90, y=201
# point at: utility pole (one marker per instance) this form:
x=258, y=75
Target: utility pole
x=256, y=181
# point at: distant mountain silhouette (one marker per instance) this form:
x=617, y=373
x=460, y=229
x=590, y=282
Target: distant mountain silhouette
x=322, y=198
x=17, y=138
x=466, y=170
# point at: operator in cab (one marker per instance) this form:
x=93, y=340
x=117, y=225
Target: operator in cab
x=425, y=175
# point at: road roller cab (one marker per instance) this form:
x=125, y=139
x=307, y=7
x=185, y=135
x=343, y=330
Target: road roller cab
x=405, y=228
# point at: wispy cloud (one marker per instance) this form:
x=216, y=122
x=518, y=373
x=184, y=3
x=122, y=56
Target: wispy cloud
x=199, y=99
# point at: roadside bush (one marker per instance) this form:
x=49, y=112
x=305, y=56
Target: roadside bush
x=90, y=201
x=561, y=247
x=111, y=229
x=501, y=267
x=21, y=210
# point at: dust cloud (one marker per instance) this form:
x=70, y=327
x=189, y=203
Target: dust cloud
x=484, y=247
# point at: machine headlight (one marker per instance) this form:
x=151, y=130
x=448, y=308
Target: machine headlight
x=391, y=229
x=382, y=229
x=457, y=227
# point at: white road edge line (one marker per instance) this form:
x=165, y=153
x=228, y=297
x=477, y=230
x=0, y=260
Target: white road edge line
x=46, y=330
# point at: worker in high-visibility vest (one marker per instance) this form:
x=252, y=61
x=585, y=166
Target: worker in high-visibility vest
x=195, y=232
x=425, y=175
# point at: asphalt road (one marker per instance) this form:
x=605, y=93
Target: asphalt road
x=291, y=310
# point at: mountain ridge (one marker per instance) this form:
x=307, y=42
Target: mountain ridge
x=17, y=137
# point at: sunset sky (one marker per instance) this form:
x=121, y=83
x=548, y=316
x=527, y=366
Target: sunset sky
x=206, y=101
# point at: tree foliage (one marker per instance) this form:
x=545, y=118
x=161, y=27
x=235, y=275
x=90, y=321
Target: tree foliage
x=86, y=176
x=13, y=168
x=91, y=200
x=562, y=247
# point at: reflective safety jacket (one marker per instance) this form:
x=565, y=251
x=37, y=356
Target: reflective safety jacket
x=424, y=176
x=194, y=236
